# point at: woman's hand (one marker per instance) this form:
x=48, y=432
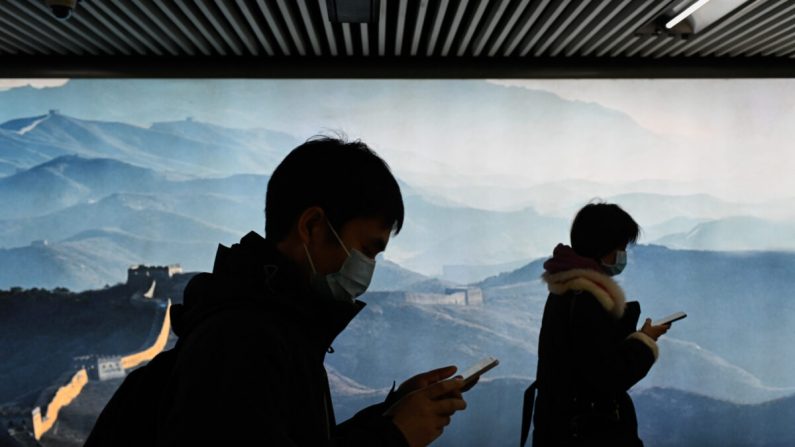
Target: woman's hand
x=654, y=331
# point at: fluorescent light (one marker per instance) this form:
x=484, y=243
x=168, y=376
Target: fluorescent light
x=684, y=14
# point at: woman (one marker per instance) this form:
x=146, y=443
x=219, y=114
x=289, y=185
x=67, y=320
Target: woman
x=589, y=352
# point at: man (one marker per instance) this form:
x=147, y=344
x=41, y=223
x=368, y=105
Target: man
x=248, y=367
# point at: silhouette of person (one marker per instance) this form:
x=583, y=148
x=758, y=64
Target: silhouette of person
x=589, y=351
x=253, y=334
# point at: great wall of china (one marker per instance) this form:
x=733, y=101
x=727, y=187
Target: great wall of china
x=44, y=417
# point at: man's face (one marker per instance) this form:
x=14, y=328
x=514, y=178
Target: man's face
x=368, y=235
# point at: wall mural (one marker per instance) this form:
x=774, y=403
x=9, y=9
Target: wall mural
x=113, y=193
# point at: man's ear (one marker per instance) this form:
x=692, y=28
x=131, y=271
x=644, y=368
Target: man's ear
x=310, y=222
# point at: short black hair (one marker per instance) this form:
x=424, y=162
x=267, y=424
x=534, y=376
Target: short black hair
x=600, y=228
x=346, y=179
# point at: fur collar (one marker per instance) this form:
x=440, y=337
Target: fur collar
x=601, y=286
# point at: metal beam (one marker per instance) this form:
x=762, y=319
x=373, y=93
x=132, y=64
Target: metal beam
x=568, y=18
x=490, y=23
x=331, y=39
x=114, y=16
x=183, y=27
x=188, y=9
x=274, y=26
x=547, y=19
x=459, y=15
x=421, y=12
x=136, y=16
x=603, y=19
x=287, y=13
x=585, y=19
x=437, y=26
x=310, y=27
x=219, y=25
x=528, y=19
x=472, y=24
x=401, y=25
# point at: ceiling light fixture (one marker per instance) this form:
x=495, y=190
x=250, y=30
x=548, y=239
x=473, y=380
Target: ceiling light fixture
x=686, y=13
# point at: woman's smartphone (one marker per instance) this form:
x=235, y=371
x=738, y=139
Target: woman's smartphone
x=669, y=319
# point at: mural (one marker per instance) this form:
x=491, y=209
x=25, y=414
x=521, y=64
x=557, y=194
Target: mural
x=113, y=193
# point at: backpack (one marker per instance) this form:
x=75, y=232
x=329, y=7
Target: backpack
x=130, y=417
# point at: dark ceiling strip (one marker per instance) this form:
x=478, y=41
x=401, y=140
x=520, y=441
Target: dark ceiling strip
x=8, y=48
x=275, y=28
x=33, y=38
x=459, y=16
x=363, y=30
x=401, y=25
x=667, y=50
x=544, y=23
x=527, y=20
x=255, y=27
x=310, y=27
x=772, y=47
x=626, y=44
x=138, y=17
x=560, y=27
x=220, y=26
x=347, y=38
x=114, y=34
x=782, y=50
x=623, y=19
x=585, y=18
x=190, y=11
x=661, y=41
x=48, y=22
x=642, y=43
x=774, y=36
x=136, y=37
x=601, y=21
x=471, y=26
x=292, y=26
x=513, y=16
x=234, y=18
x=165, y=26
x=769, y=21
x=654, y=9
x=182, y=26
x=330, y=37
x=393, y=67
x=490, y=23
x=418, y=24
x=437, y=26
x=382, y=27
x=17, y=43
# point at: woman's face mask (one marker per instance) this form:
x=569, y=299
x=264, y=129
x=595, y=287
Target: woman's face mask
x=618, y=267
x=352, y=279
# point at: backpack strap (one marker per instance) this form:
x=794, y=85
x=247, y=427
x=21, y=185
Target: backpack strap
x=527, y=412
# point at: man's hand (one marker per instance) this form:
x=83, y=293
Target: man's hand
x=654, y=331
x=422, y=380
x=422, y=414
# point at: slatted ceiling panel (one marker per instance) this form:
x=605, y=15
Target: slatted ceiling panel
x=653, y=9
x=783, y=41
x=757, y=28
x=774, y=36
x=33, y=20
x=560, y=26
x=412, y=29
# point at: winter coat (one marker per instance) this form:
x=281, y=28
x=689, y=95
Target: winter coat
x=248, y=366
x=589, y=356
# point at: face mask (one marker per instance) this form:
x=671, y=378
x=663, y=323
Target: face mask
x=618, y=267
x=350, y=281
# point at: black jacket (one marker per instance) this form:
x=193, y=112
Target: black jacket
x=248, y=366
x=589, y=356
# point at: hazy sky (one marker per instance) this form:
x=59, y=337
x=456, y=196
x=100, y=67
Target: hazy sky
x=732, y=136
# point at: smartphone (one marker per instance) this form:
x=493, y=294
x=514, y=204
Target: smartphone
x=669, y=319
x=476, y=370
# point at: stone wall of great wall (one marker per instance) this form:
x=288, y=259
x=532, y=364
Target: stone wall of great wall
x=44, y=417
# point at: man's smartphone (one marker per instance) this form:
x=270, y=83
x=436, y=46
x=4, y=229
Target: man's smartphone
x=479, y=368
x=669, y=319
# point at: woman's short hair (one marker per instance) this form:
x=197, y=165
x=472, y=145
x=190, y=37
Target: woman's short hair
x=600, y=228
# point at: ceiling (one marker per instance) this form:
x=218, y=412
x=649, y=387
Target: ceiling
x=414, y=38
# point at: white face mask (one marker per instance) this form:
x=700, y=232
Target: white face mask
x=352, y=279
x=618, y=267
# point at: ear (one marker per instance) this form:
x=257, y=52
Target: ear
x=309, y=223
